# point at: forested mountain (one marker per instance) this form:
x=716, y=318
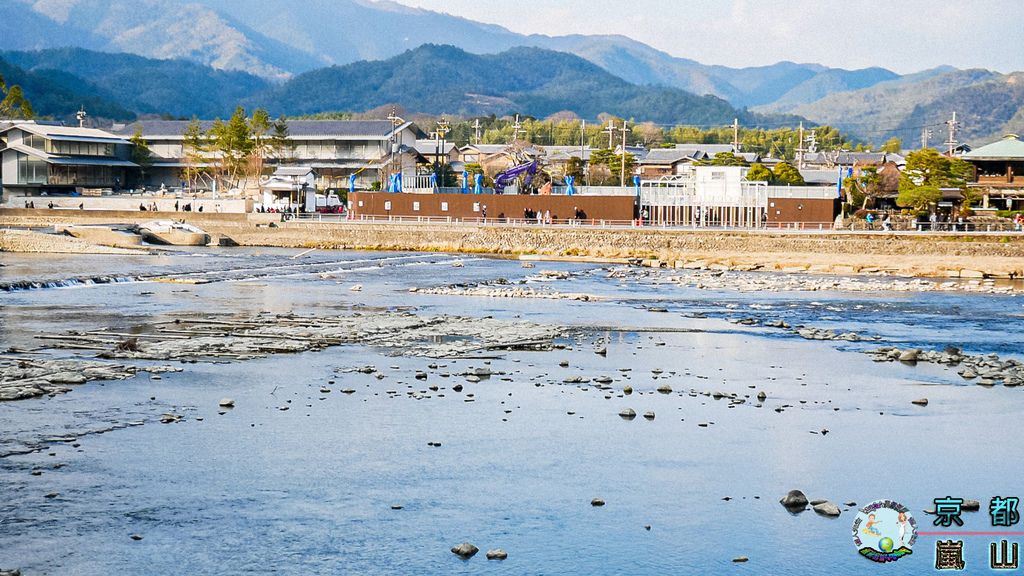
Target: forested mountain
x=987, y=105
x=51, y=95
x=277, y=39
x=177, y=87
x=444, y=79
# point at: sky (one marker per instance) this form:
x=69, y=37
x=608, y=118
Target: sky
x=902, y=35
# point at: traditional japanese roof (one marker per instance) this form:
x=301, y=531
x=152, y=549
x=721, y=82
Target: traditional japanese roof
x=1009, y=148
x=669, y=156
x=297, y=129
x=68, y=133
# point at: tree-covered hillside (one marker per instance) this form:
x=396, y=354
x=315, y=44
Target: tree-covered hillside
x=145, y=85
x=444, y=79
x=51, y=97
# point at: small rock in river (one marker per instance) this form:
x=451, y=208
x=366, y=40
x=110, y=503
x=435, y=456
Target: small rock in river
x=498, y=554
x=628, y=414
x=794, y=499
x=597, y=502
x=741, y=559
x=827, y=508
x=920, y=401
x=226, y=403
x=466, y=550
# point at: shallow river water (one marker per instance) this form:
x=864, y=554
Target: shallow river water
x=348, y=484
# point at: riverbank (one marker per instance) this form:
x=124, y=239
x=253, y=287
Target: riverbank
x=966, y=255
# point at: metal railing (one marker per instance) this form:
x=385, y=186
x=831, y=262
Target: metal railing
x=858, y=226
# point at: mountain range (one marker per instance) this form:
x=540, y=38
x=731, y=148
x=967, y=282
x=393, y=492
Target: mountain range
x=263, y=50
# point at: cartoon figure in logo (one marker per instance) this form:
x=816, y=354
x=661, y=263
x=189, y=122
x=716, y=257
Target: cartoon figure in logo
x=870, y=527
x=901, y=524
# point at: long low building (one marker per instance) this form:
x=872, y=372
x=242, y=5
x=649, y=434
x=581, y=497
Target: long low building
x=721, y=196
x=41, y=158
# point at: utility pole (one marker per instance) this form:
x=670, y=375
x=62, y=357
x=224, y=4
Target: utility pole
x=517, y=129
x=800, y=149
x=735, y=135
x=476, y=131
x=442, y=129
x=583, y=150
x=812, y=142
x=926, y=132
x=395, y=122
x=622, y=178
x=80, y=115
x=610, y=130
x=953, y=125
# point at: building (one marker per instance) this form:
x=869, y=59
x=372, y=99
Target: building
x=721, y=196
x=40, y=158
x=999, y=172
x=678, y=159
x=335, y=149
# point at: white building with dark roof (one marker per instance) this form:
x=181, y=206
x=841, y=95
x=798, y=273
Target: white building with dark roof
x=42, y=158
x=335, y=149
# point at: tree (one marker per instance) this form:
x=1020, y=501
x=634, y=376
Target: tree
x=724, y=159
x=860, y=190
x=14, y=104
x=574, y=167
x=786, y=174
x=920, y=197
x=141, y=154
x=279, y=139
x=474, y=168
x=194, y=146
x=231, y=143
x=261, y=147
x=928, y=170
x=608, y=158
x=760, y=173
x=892, y=146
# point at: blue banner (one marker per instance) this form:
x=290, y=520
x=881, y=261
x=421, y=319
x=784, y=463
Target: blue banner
x=465, y=182
x=477, y=184
x=569, y=188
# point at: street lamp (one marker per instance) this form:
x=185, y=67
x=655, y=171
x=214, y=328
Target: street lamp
x=396, y=121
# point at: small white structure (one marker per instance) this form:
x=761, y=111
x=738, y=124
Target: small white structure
x=705, y=196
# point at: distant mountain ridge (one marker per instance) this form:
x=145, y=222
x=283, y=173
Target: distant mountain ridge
x=277, y=39
x=264, y=49
x=445, y=79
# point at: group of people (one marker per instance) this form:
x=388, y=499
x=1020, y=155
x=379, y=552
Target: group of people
x=540, y=217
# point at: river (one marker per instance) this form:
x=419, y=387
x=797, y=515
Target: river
x=356, y=483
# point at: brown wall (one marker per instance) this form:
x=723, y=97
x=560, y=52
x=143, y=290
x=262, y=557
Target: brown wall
x=511, y=205
x=809, y=210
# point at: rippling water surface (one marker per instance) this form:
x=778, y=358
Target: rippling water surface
x=311, y=490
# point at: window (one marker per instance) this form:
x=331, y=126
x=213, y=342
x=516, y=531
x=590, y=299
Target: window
x=718, y=175
x=31, y=170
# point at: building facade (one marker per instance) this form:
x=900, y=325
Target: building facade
x=999, y=173
x=40, y=158
x=335, y=149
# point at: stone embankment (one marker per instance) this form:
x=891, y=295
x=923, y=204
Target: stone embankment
x=963, y=255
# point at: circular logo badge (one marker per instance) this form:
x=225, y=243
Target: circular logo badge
x=884, y=531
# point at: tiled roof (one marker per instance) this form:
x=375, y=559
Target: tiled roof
x=1010, y=147
x=297, y=129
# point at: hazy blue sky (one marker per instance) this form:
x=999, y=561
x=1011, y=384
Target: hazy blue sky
x=901, y=35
